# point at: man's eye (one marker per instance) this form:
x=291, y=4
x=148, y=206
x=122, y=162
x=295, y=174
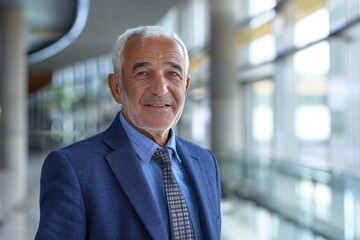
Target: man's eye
x=142, y=75
x=173, y=75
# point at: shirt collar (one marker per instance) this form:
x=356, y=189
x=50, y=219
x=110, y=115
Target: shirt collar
x=144, y=146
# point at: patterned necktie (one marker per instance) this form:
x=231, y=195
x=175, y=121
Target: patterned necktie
x=180, y=222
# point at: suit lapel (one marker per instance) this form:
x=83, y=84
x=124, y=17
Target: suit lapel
x=126, y=167
x=199, y=182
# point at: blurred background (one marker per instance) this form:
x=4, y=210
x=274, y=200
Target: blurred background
x=275, y=93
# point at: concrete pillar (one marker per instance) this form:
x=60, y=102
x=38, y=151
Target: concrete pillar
x=225, y=89
x=13, y=93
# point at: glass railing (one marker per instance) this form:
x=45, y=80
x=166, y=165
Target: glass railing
x=319, y=200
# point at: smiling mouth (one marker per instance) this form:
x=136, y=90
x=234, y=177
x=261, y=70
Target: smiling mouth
x=157, y=105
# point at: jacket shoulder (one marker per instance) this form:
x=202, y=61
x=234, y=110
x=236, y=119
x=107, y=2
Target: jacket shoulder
x=190, y=145
x=89, y=144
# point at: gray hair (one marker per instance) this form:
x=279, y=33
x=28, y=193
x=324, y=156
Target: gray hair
x=144, y=32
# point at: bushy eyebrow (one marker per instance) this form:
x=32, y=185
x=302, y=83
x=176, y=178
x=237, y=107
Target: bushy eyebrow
x=147, y=64
x=140, y=64
x=174, y=65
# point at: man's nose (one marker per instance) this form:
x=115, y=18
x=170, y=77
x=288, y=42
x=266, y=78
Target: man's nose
x=159, y=85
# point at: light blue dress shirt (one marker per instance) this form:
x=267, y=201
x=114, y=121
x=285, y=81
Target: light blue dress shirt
x=145, y=148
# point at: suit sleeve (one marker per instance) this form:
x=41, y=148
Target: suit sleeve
x=62, y=208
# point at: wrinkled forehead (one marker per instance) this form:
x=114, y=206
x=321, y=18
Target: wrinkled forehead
x=155, y=48
x=152, y=43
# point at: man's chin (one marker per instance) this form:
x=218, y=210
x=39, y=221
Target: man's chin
x=157, y=128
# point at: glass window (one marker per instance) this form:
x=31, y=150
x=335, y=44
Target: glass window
x=259, y=6
x=262, y=129
x=312, y=114
x=312, y=27
x=262, y=49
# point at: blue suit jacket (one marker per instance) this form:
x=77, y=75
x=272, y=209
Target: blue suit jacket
x=95, y=189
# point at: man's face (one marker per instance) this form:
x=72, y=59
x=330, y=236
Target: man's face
x=154, y=85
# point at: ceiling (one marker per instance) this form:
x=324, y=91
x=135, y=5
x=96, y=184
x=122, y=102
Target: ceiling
x=60, y=33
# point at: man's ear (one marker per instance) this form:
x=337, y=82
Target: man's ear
x=187, y=83
x=115, y=87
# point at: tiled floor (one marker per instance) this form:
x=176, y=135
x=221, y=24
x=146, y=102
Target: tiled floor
x=234, y=222
x=19, y=219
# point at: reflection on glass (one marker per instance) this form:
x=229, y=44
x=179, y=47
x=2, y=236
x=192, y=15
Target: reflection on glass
x=305, y=192
x=262, y=119
x=323, y=200
x=198, y=119
x=262, y=114
x=311, y=28
x=312, y=113
x=314, y=60
x=349, y=216
x=259, y=6
x=312, y=123
x=262, y=49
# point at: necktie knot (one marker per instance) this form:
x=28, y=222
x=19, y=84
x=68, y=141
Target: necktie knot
x=162, y=156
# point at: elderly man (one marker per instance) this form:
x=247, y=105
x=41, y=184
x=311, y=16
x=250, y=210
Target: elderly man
x=137, y=179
